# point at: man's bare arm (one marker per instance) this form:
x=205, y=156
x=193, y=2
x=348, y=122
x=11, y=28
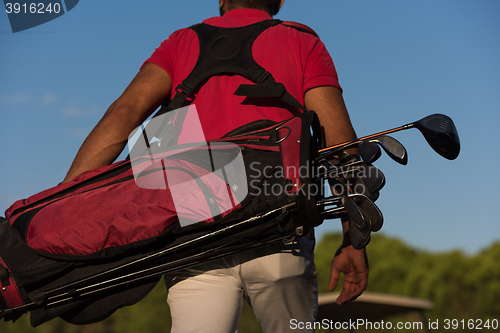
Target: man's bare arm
x=329, y=104
x=108, y=138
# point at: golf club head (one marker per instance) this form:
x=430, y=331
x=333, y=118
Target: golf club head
x=373, y=180
x=369, y=151
x=441, y=134
x=360, y=222
x=373, y=196
x=370, y=211
x=392, y=147
x=359, y=226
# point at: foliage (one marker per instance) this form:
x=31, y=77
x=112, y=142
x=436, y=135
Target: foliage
x=461, y=287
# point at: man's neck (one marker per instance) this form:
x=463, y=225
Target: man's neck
x=224, y=10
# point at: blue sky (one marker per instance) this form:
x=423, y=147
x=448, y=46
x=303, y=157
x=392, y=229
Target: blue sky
x=398, y=61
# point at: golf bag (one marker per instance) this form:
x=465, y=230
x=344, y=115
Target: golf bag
x=107, y=218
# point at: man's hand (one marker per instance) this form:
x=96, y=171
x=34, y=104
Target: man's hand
x=354, y=264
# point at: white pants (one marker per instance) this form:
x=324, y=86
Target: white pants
x=278, y=281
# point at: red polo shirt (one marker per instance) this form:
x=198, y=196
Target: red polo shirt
x=296, y=59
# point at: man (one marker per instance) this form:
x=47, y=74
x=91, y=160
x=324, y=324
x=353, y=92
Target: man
x=278, y=281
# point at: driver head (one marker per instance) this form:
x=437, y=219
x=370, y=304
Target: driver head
x=441, y=134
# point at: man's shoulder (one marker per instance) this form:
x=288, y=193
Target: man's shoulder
x=183, y=34
x=300, y=27
x=179, y=31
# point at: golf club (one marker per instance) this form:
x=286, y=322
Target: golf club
x=369, y=151
x=332, y=170
x=371, y=179
x=370, y=210
x=391, y=146
x=346, y=208
x=359, y=225
x=438, y=130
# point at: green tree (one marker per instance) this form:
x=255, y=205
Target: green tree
x=460, y=286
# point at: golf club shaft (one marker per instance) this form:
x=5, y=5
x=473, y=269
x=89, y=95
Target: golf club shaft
x=407, y=126
x=339, y=170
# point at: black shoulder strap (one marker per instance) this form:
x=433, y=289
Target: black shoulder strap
x=4, y=276
x=229, y=51
x=226, y=51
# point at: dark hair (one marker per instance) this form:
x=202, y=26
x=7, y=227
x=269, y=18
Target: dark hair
x=270, y=6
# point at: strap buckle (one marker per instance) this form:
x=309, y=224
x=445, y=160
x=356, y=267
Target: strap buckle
x=183, y=90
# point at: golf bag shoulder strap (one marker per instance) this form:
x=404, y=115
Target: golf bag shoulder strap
x=229, y=51
x=4, y=276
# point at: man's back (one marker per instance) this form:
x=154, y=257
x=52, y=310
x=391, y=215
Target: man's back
x=296, y=59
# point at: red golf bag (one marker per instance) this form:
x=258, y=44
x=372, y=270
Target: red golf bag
x=85, y=248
